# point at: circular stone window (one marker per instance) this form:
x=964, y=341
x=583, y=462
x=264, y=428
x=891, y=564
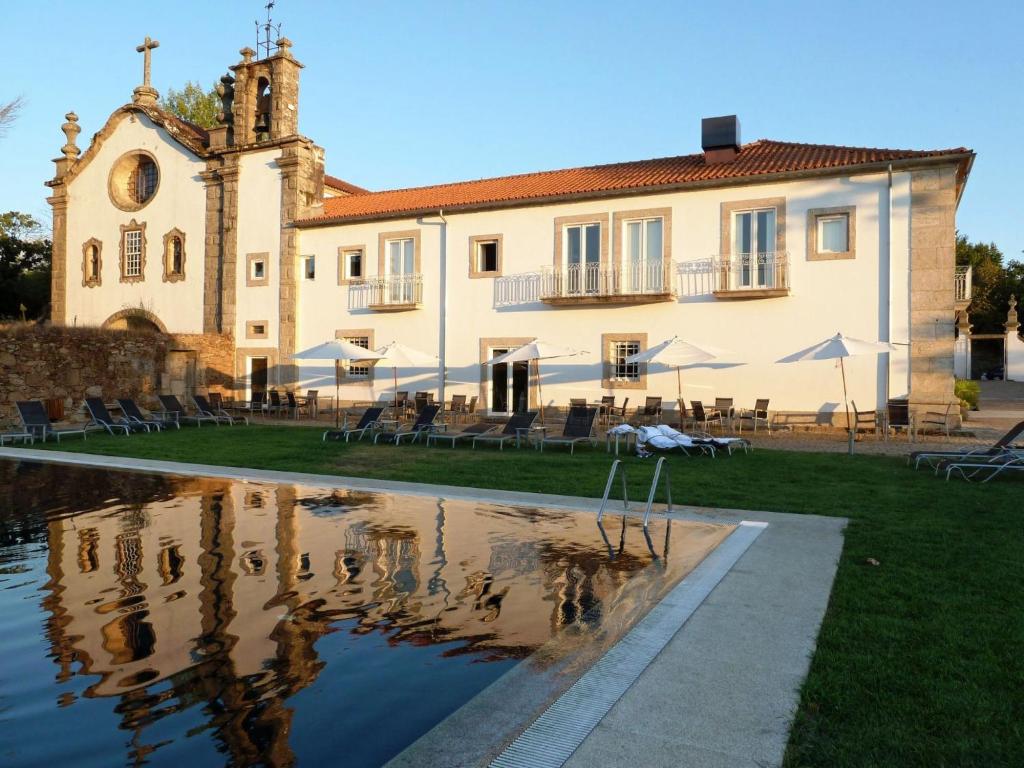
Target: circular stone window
x=134, y=180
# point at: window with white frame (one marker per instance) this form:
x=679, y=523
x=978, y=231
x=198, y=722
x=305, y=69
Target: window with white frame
x=309, y=267
x=644, y=249
x=133, y=252
x=355, y=370
x=834, y=233
x=753, y=248
x=352, y=263
x=582, y=244
x=622, y=371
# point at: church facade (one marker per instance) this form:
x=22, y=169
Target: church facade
x=236, y=234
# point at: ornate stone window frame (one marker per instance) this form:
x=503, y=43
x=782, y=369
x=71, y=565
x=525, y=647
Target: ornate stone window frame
x=474, y=266
x=382, y=241
x=607, y=380
x=255, y=282
x=561, y=222
x=117, y=170
x=619, y=218
x=97, y=280
x=343, y=252
x=351, y=333
x=169, y=276
x=813, y=214
x=252, y=329
x=132, y=226
x=736, y=206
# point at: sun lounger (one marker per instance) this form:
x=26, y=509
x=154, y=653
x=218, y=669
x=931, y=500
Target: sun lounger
x=520, y=422
x=1015, y=437
x=579, y=428
x=369, y=421
x=176, y=411
x=473, y=430
x=205, y=408
x=135, y=416
x=424, y=424
x=37, y=423
x=101, y=417
x=984, y=470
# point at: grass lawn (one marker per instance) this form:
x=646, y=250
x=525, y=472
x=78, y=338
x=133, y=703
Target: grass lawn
x=919, y=662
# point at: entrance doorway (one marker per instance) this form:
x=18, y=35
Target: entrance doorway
x=256, y=376
x=510, y=384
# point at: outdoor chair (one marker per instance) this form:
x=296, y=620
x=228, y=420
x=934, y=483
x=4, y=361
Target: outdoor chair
x=205, y=408
x=756, y=415
x=579, y=427
x=291, y=404
x=37, y=423
x=706, y=417
x=651, y=410
x=258, y=403
x=617, y=413
x=176, y=411
x=133, y=414
x=1012, y=440
x=577, y=402
x=274, y=403
x=424, y=424
x=311, y=403
x=984, y=469
x=369, y=421
x=472, y=431
x=725, y=407
x=457, y=406
x=518, y=423
x=607, y=403
x=421, y=400
x=864, y=421
x=937, y=420
x=101, y=417
x=685, y=417
x=897, y=416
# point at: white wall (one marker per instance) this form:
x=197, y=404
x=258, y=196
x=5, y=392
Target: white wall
x=1014, y=357
x=826, y=297
x=180, y=202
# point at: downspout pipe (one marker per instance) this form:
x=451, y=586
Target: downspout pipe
x=888, y=308
x=442, y=310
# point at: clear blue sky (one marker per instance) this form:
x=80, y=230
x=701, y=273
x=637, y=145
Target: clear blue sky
x=403, y=93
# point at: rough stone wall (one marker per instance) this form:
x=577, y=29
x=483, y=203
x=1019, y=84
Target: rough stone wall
x=932, y=302
x=44, y=362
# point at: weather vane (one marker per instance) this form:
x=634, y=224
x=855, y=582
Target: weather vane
x=266, y=28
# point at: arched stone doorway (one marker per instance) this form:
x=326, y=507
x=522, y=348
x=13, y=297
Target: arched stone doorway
x=135, y=319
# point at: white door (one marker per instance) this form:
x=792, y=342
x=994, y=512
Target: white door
x=754, y=249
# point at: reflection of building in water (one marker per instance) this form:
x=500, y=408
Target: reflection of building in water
x=224, y=591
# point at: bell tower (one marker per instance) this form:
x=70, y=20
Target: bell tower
x=265, y=106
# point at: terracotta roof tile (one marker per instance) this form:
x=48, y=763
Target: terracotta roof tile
x=340, y=184
x=763, y=157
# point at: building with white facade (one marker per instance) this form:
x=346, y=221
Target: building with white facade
x=758, y=249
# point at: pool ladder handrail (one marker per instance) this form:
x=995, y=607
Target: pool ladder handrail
x=654, y=488
x=617, y=467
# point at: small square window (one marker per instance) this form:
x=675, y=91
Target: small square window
x=834, y=233
x=259, y=269
x=487, y=256
x=309, y=267
x=621, y=370
x=259, y=330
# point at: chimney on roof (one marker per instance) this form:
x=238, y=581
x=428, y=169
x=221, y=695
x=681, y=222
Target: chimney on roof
x=720, y=138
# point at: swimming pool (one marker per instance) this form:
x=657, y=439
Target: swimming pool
x=167, y=620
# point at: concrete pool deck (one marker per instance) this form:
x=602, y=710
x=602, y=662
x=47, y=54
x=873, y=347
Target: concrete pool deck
x=724, y=689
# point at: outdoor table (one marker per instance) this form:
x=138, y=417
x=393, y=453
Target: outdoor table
x=528, y=433
x=627, y=437
x=13, y=436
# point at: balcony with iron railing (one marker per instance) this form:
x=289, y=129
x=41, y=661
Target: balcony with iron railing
x=635, y=282
x=394, y=293
x=743, y=276
x=962, y=286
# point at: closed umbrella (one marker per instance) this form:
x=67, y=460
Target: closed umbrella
x=337, y=350
x=535, y=351
x=675, y=353
x=840, y=347
x=396, y=355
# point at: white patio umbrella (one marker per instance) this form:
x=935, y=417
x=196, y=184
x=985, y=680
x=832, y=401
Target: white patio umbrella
x=336, y=350
x=536, y=351
x=675, y=353
x=839, y=347
x=396, y=355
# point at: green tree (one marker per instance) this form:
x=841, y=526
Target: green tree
x=194, y=104
x=992, y=283
x=25, y=255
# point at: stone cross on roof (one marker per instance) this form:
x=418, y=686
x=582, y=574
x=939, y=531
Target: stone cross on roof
x=146, y=48
x=146, y=93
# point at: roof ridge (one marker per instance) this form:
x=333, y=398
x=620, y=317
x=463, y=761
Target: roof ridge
x=858, y=149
